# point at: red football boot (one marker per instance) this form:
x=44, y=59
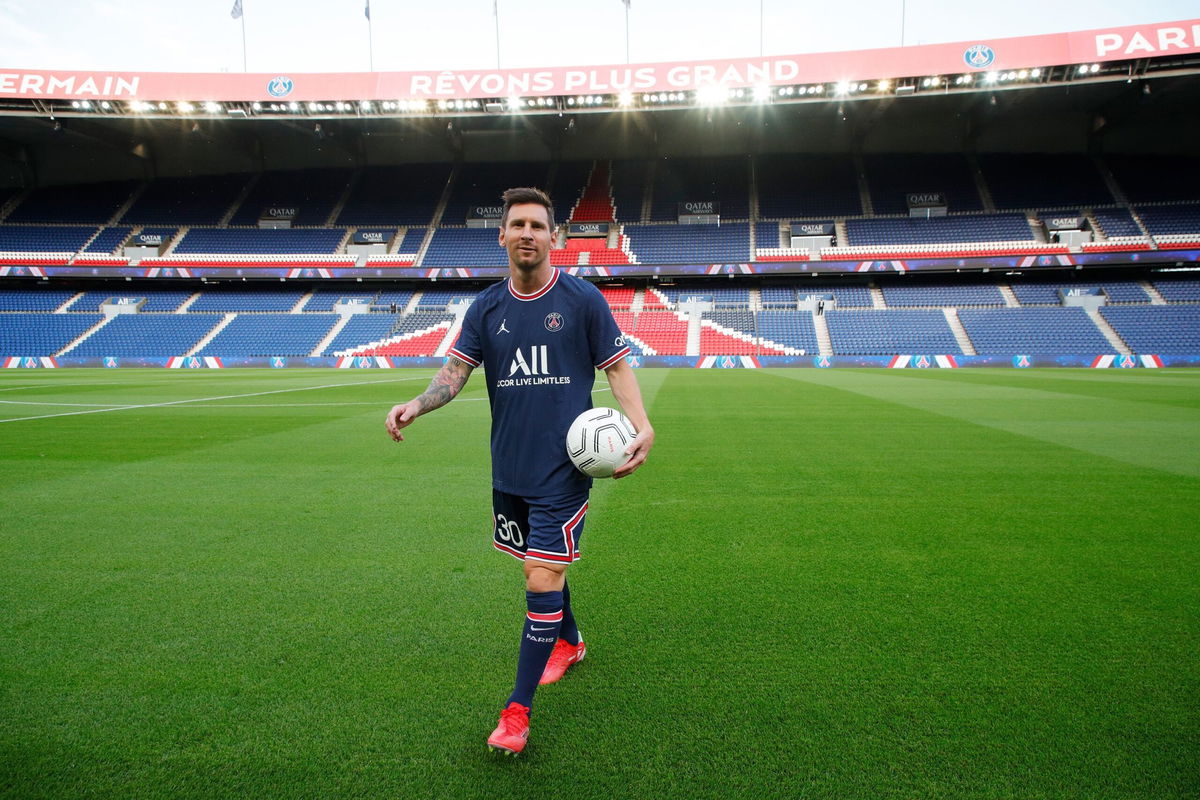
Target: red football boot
x=562, y=657
x=512, y=732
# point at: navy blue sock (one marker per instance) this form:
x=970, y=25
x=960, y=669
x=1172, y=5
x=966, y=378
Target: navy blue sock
x=569, y=631
x=542, y=623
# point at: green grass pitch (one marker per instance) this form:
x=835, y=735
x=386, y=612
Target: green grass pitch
x=824, y=583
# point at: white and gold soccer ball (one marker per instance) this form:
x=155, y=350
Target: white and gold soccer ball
x=597, y=440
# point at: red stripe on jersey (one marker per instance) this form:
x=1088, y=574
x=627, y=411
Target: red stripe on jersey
x=539, y=292
x=555, y=617
x=506, y=549
x=541, y=555
x=621, y=354
x=569, y=529
x=461, y=356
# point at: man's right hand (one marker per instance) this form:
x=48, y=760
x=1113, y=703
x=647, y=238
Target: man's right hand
x=400, y=417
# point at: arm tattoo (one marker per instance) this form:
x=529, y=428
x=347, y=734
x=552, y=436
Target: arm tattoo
x=445, y=385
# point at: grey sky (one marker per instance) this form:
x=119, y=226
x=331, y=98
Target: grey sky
x=332, y=35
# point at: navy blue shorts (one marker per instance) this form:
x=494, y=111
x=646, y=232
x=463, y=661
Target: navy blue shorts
x=539, y=528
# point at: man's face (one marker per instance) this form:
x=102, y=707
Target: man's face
x=527, y=236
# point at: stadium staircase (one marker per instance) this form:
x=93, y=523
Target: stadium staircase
x=208, y=337
x=83, y=336
x=138, y=191
x=960, y=333
x=1109, y=333
x=237, y=202
x=1156, y=297
x=182, y=232
x=1010, y=297
x=824, y=341
x=336, y=211
x=12, y=204
x=65, y=307
x=985, y=194
x=186, y=304
x=331, y=335
x=877, y=300
x=864, y=188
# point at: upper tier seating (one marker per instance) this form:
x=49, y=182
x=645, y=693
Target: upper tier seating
x=33, y=298
x=1179, y=291
x=1151, y=179
x=1116, y=222
x=1158, y=330
x=570, y=179
x=723, y=180
x=41, y=334
x=892, y=177
x=959, y=296
x=312, y=192
x=806, y=187
x=1171, y=220
x=441, y=299
x=766, y=234
x=1033, y=331
x=43, y=239
x=465, y=247
x=628, y=180
x=1042, y=181
x=147, y=335
x=83, y=203
x=596, y=202
x=719, y=296
x=1049, y=294
x=280, y=299
x=253, y=241
x=482, y=185
x=412, y=241
x=890, y=332
x=917, y=231
x=666, y=244
x=270, y=335
x=109, y=239
x=199, y=200
x=401, y=195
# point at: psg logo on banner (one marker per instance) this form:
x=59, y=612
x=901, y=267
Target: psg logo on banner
x=280, y=87
x=979, y=56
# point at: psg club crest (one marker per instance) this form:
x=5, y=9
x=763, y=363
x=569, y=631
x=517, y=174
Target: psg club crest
x=979, y=56
x=554, y=321
x=280, y=86
x=1021, y=362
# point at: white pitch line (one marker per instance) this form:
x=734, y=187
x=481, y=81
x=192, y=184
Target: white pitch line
x=206, y=399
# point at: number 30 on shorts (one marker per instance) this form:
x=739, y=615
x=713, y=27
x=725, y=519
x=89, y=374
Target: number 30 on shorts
x=509, y=532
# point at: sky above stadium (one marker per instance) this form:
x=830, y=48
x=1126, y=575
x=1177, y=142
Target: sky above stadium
x=336, y=36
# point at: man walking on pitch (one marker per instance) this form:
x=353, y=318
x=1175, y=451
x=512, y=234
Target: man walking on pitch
x=540, y=336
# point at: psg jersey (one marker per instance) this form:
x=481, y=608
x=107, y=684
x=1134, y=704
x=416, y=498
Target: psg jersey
x=540, y=353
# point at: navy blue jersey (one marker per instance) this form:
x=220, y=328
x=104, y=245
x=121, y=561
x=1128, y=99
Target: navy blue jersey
x=540, y=353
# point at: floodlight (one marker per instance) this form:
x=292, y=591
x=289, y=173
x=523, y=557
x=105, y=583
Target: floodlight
x=364, y=105
x=843, y=87
x=293, y=106
x=211, y=107
x=883, y=86
x=257, y=106
x=625, y=99
x=712, y=95
x=185, y=107
x=514, y=103
x=1036, y=72
x=162, y=106
x=991, y=77
x=314, y=107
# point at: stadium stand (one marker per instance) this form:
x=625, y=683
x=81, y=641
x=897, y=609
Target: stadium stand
x=147, y=335
x=892, y=177
x=806, y=187
x=1179, y=291
x=1173, y=220
x=1155, y=179
x=399, y=195
x=270, y=335
x=722, y=180
x=44, y=238
x=1050, y=293
x=109, y=239
x=33, y=299
x=41, y=334
x=963, y=295
x=628, y=179
x=1032, y=331
x=568, y=181
x=890, y=332
x=1159, y=330
x=155, y=299
x=465, y=247
x=87, y=203
x=665, y=244
x=789, y=329
x=938, y=230
x=1030, y=180
x=253, y=241
x=281, y=299
x=482, y=185
x=198, y=200
x=360, y=331
x=1116, y=222
x=312, y=193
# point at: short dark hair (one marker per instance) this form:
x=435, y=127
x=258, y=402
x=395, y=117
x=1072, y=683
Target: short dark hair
x=527, y=194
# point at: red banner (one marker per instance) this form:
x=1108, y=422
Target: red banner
x=1106, y=44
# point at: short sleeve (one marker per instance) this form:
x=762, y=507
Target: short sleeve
x=467, y=347
x=606, y=340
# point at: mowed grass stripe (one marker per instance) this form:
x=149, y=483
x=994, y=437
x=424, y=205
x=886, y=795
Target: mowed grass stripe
x=808, y=592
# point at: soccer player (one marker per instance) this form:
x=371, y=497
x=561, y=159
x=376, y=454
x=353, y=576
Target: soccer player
x=540, y=336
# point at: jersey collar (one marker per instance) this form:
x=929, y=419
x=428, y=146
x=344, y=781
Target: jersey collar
x=540, y=292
